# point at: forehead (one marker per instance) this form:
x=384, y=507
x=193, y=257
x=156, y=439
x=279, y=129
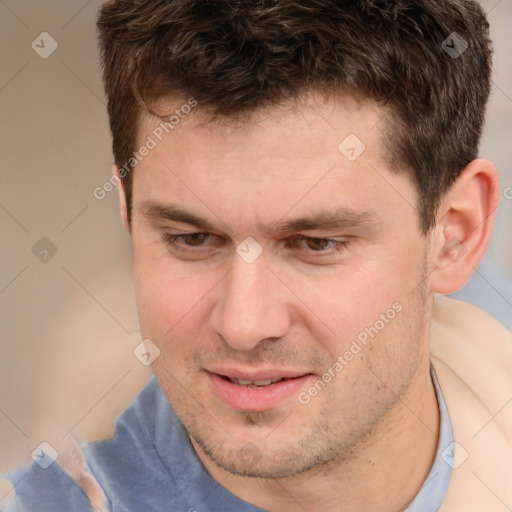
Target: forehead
x=307, y=154
x=308, y=127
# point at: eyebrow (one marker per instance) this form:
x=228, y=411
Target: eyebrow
x=174, y=213
x=321, y=220
x=326, y=220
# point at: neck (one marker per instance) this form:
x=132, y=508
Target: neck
x=384, y=473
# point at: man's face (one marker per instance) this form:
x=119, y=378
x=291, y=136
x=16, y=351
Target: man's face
x=333, y=272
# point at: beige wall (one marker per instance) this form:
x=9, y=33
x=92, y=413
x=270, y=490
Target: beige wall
x=69, y=325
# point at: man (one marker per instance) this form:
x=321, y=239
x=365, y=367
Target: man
x=300, y=183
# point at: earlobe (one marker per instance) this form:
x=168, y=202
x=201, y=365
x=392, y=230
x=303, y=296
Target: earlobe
x=123, y=210
x=464, y=226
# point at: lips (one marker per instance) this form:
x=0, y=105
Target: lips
x=256, y=391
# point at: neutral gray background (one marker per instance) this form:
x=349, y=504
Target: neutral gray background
x=69, y=324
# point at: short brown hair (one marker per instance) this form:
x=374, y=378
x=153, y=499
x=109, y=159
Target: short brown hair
x=235, y=56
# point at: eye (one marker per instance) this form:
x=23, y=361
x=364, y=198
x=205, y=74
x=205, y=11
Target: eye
x=318, y=245
x=187, y=240
x=194, y=239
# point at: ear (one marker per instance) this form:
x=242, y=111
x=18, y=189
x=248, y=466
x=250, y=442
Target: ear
x=464, y=225
x=123, y=210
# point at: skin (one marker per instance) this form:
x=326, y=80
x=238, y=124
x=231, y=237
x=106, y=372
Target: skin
x=368, y=439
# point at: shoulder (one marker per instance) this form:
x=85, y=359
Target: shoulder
x=475, y=347
x=137, y=467
x=45, y=490
x=472, y=356
x=126, y=470
x=475, y=351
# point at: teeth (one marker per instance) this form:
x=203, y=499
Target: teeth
x=264, y=382
x=243, y=382
x=254, y=383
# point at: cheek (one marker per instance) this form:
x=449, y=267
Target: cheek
x=174, y=311
x=347, y=298
x=368, y=300
x=167, y=302
x=169, y=308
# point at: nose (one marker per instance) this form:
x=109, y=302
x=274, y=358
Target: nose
x=251, y=306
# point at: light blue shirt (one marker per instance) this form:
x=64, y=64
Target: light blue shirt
x=150, y=466
x=433, y=490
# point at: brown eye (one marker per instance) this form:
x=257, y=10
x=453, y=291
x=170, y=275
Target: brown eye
x=195, y=239
x=189, y=240
x=193, y=246
x=318, y=244
x=314, y=247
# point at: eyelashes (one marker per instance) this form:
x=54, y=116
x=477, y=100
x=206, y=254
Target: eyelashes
x=318, y=245
x=197, y=243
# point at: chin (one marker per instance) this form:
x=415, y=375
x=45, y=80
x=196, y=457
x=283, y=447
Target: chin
x=260, y=459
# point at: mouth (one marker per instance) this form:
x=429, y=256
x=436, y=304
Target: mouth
x=254, y=383
x=256, y=391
